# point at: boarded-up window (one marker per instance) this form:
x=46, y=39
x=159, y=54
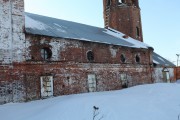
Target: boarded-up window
x=46, y=86
x=92, y=83
x=166, y=76
x=124, y=81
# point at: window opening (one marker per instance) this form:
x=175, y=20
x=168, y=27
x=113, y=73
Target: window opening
x=137, y=59
x=134, y=2
x=46, y=53
x=108, y=2
x=123, y=58
x=90, y=56
x=121, y=1
x=137, y=32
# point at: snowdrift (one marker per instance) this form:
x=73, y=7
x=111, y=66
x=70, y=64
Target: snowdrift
x=144, y=102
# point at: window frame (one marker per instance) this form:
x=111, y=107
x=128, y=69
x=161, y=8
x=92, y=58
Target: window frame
x=46, y=53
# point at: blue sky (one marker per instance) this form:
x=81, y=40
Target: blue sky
x=160, y=19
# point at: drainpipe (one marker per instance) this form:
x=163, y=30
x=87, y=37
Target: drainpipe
x=11, y=32
x=151, y=72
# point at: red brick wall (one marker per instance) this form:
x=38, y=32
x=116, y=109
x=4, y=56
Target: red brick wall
x=177, y=73
x=70, y=68
x=74, y=50
x=124, y=18
x=22, y=82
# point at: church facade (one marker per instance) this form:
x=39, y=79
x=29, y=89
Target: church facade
x=41, y=57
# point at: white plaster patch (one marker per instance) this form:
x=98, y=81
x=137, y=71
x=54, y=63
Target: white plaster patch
x=12, y=38
x=113, y=52
x=157, y=75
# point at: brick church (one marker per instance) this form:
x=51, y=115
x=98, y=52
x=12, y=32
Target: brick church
x=41, y=57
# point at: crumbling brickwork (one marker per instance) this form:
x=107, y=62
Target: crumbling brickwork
x=163, y=74
x=177, y=73
x=123, y=16
x=70, y=66
x=12, y=37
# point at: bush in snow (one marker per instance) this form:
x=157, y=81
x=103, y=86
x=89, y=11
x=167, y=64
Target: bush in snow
x=96, y=113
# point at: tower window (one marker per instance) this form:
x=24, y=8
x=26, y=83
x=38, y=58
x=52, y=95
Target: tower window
x=108, y=2
x=90, y=56
x=46, y=53
x=137, y=32
x=121, y=1
x=135, y=3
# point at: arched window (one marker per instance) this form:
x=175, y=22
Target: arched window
x=123, y=58
x=46, y=53
x=90, y=56
x=137, y=59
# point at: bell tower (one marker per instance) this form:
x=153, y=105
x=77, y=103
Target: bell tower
x=123, y=16
x=12, y=36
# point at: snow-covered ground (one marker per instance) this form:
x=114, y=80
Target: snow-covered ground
x=144, y=102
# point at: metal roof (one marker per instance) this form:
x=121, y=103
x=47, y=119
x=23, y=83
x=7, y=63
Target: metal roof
x=160, y=61
x=42, y=25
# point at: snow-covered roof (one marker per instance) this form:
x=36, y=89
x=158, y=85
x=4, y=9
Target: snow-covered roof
x=42, y=25
x=160, y=61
